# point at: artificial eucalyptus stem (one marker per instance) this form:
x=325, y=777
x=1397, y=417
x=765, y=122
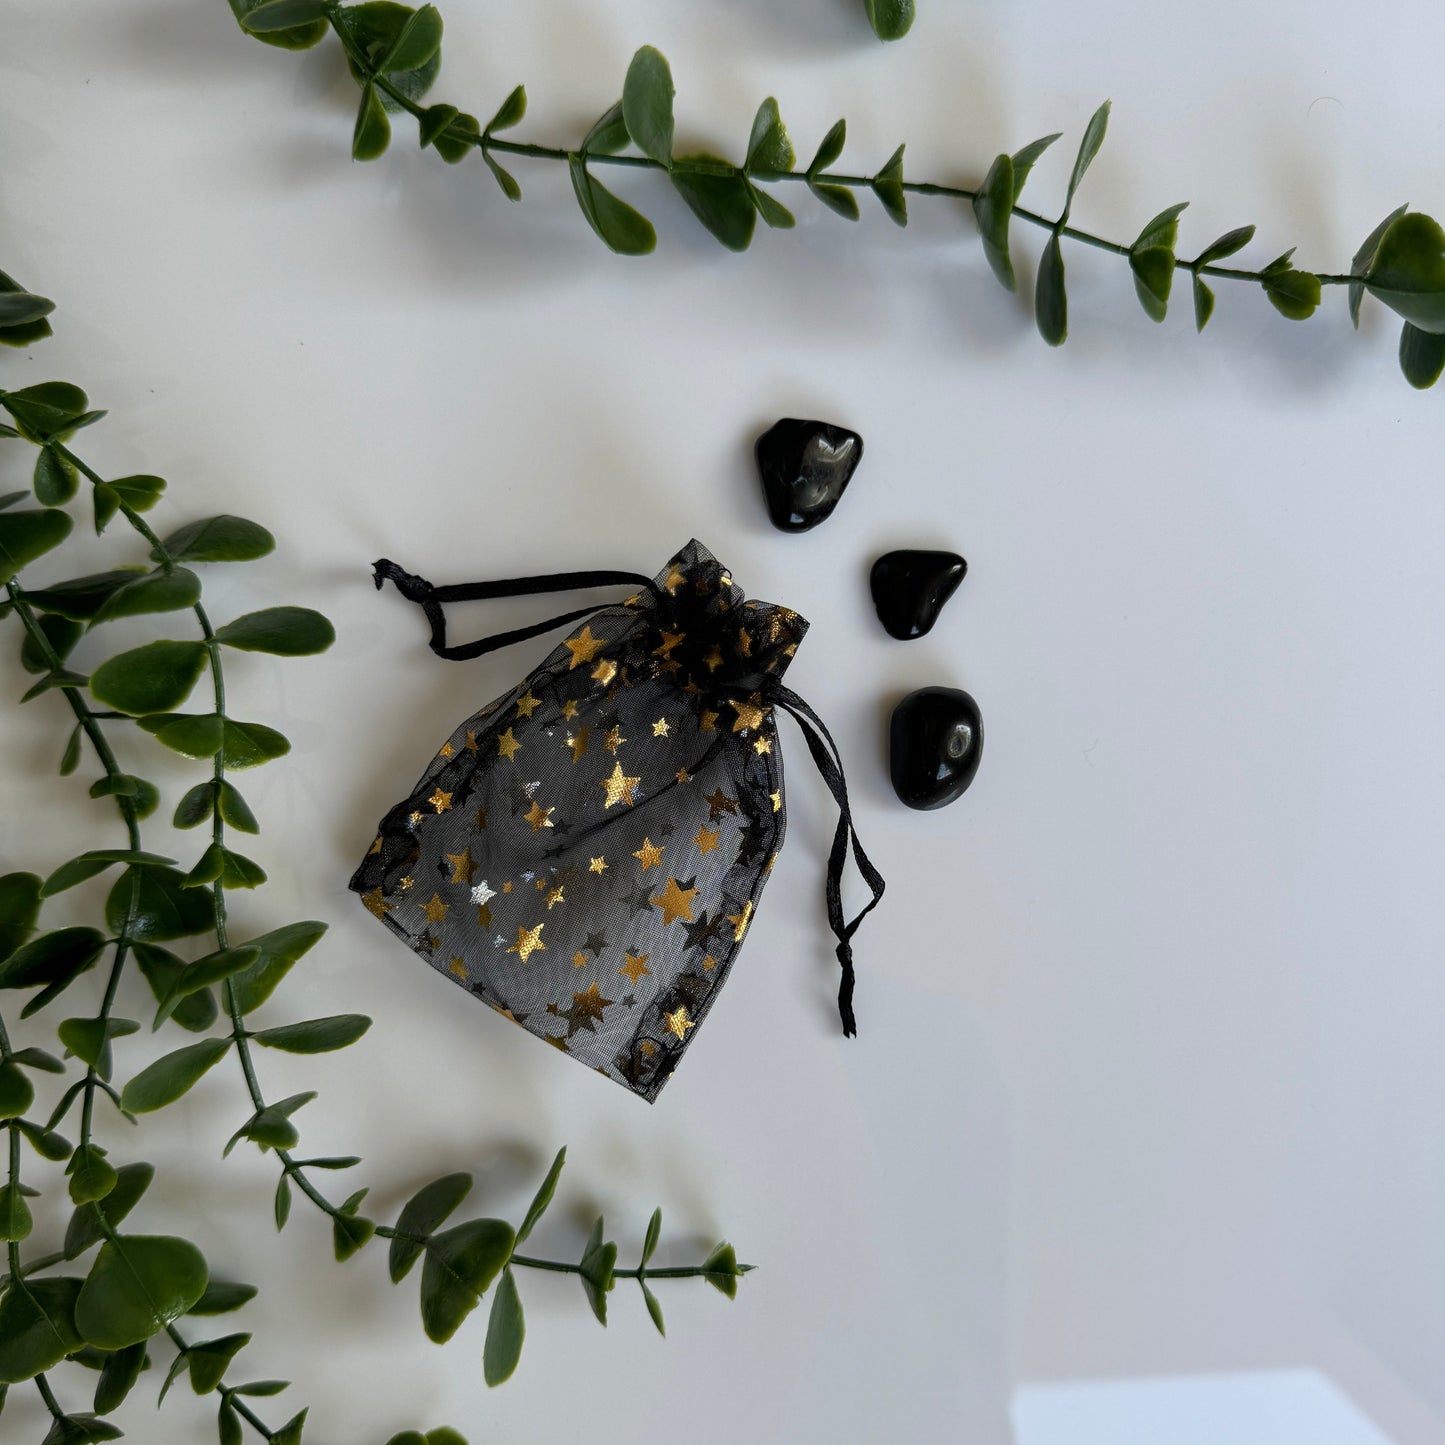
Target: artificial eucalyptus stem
x=394, y=54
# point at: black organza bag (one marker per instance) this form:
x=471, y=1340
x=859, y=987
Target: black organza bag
x=586, y=853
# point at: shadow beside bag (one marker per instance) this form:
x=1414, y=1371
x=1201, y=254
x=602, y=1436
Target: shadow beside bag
x=586, y=853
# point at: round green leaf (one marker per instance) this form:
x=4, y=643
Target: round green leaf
x=91, y=1175
x=315, y=1036
x=647, y=96
x=164, y=907
x=1051, y=306
x=154, y=678
x=221, y=1297
x=218, y=539
x=118, y=1375
x=831, y=148
x=18, y=308
x=723, y=201
x=377, y=28
x=506, y=1330
x=543, y=1197
x=60, y=634
x=266, y=16
x=279, y=950
x=193, y=736
x=157, y=591
x=56, y=479
x=294, y=37
x=620, y=227
x=721, y=1271
x=17, y=1093
x=1422, y=356
x=1408, y=271
x=460, y=1264
x=654, y=1233
x=138, y=1284
x=37, y=1327
x=992, y=208
x=283, y=631
x=769, y=147
x=86, y=1226
x=49, y=409
x=26, y=535
x=372, y=132
x=64, y=954
x=654, y=1308
x=19, y=908
x=419, y=41
x=890, y=19
x=424, y=1212
x=170, y=1076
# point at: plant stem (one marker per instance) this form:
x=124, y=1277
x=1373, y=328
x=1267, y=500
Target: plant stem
x=46, y=1394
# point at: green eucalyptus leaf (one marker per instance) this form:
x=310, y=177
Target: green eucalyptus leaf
x=831, y=148
x=890, y=19
x=197, y=806
x=15, y=1220
x=235, y=811
x=118, y=1375
x=17, y=1093
x=504, y=178
x=620, y=228
x=1025, y=158
x=195, y=1012
x=423, y=1214
x=90, y=1039
x=60, y=634
x=608, y=134
x=510, y=112
x=139, y=493
x=19, y=308
x=769, y=147
x=91, y=1175
x=86, y=1225
x=271, y=1128
x=191, y=735
x=1088, y=148
x=433, y=121
x=23, y=333
x=506, y=1330
x=722, y=202
x=38, y=1059
x=214, y=968
x=19, y=908
x=47, y=411
x=418, y=43
x=28, y=535
x=315, y=1036
x=138, y=1284
x=543, y=1197
x=208, y=867
x=163, y=906
x=654, y=1308
x=1422, y=356
x=1363, y=259
x=80, y=1430
x=105, y=503
x=1294, y=294
x=158, y=591
x=1151, y=258
x=773, y=212
x=283, y=631
x=838, y=199
x=210, y=1359
x=1051, y=306
x=82, y=597
x=70, y=758
x=654, y=1233
x=888, y=187
x=221, y=1297
x=294, y=37
x=992, y=208
x=53, y=680
x=290, y=1432
x=599, y=1259
x=1407, y=271
x=63, y=954
x=456, y=142
x=260, y=1387
x=144, y=797
x=37, y=1327
x=377, y=28
x=56, y=479
x=444, y=1435
x=721, y=1271
x=350, y=1234
x=372, y=132
x=170, y=1076
x=1226, y=245
x=283, y=1202
x=217, y=539
x=279, y=951
x=46, y=1142
x=156, y=677
x=647, y=96
x=269, y=16
x=460, y=1264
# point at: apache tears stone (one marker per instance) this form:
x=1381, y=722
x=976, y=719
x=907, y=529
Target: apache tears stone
x=910, y=588
x=805, y=465
x=934, y=743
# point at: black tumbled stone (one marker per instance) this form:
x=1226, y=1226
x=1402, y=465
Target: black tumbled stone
x=805, y=466
x=935, y=741
x=910, y=587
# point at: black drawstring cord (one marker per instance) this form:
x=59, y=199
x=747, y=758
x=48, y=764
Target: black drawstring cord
x=820, y=742
x=429, y=598
x=829, y=762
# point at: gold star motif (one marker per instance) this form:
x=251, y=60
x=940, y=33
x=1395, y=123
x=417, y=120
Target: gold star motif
x=776, y=799
x=578, y=743
x=648, y=1048
x=597, y=865
x=435, y=909
x=527, y=704
x=507, y=745
x=707, y=839
x=768, y=866
x=375, y=847
x=749, y=714
x=678, y=1023
x=559, y=1043
x=745, y=642
x=605, y=671
x=541, y=885
x=464, y=866
x=507, y=886
x=458, y=966
x=569, y=709
x=614, y=740
x=484, y=915
x=649, y=855
x=713, y=660
x=414, y=819
x=669, y=641
x=740, y=921
x=446, y=750
x=659, y=728
x=762, y=746
x=673, y=580
x=618, y=787
x=529, y=941
x=675, y=902
x=480, y=821
x=635, y=967
x=590, y=1004
x=719, y=803
x=682, y=776
x=376, y=904
x=707, y=722
x=471, y=743
x=555, y=896
x=406, y=883
x=709, y=963
x=584, y=647
x=579, y=959
x=440, y=801
x=539, y=817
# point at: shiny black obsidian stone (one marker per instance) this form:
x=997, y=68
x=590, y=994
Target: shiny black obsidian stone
x=805, y=465
x=934, y=743
x=909, y=589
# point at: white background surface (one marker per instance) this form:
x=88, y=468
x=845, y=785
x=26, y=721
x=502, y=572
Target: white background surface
x=1148, y=1079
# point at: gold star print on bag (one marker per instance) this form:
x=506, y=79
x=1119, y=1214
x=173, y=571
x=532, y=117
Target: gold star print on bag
x=586, y=853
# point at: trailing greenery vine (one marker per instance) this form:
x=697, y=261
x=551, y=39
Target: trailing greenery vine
x=138, y=1287
x=394, y=53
